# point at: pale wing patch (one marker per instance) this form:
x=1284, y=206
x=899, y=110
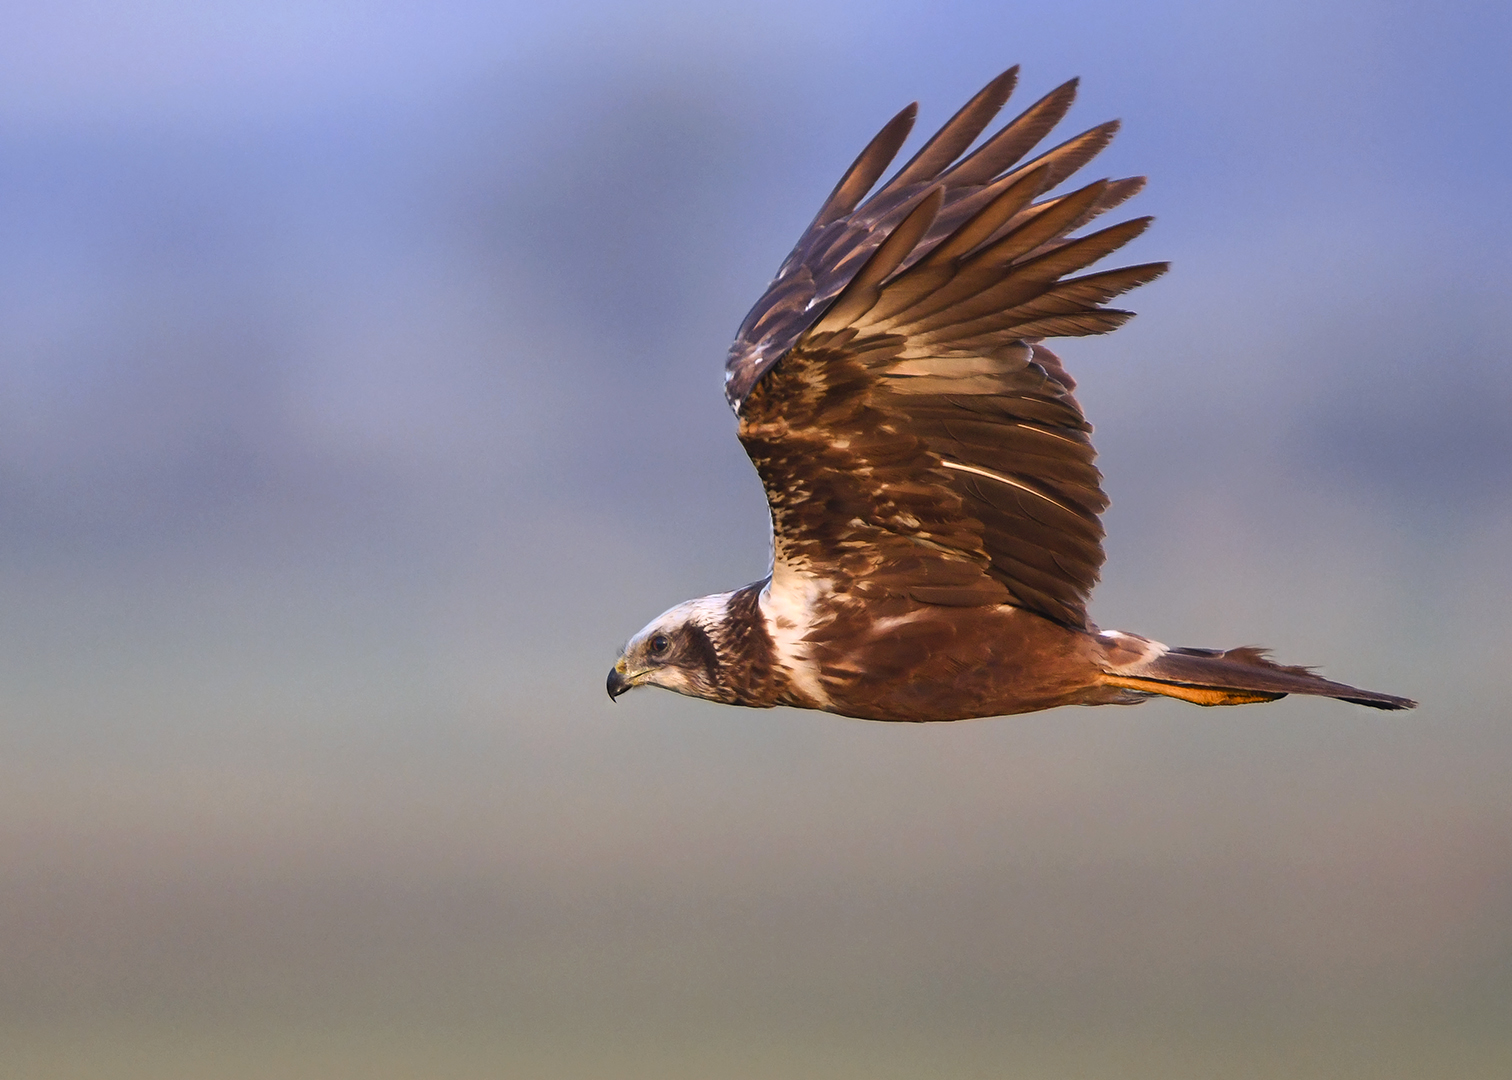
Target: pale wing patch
x=1130, y=653
x=1000, y=478
x=1037, y=430
x=948, y=367
x=944, y=384
x=880, y=628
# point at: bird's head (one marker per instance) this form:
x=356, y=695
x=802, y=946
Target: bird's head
x=678, y=651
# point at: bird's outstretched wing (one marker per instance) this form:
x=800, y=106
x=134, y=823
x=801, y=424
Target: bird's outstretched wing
x=914, y=439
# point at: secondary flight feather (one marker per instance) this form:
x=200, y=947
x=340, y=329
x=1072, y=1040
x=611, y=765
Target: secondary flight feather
x=935, y=507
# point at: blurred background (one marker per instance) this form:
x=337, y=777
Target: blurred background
x=360, y=393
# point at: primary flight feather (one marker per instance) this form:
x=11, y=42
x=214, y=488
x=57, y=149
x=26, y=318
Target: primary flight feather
x=935, y=531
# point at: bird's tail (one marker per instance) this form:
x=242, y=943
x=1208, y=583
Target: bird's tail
x=1219, y=677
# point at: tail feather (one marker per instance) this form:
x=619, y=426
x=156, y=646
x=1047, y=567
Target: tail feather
x=1220, y=677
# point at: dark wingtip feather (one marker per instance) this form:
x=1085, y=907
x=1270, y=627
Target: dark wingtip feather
x=1016, y=138
x=959, y=132
x=861, y=293
x=1120, y=191
x=869, y=165
x=1075, y=152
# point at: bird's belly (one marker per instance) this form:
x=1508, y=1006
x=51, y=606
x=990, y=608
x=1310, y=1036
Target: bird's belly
x=950, y=663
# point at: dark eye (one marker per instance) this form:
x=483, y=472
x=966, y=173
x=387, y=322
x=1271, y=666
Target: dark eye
x=660, y=644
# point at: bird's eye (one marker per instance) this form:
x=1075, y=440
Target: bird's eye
x=660, y=644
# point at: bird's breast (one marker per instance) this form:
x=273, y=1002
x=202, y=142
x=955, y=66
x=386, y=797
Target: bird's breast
x=794, y=606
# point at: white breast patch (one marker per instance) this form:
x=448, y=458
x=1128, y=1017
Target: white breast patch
x=788, y=605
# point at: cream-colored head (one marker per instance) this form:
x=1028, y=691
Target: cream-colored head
x=678, y=651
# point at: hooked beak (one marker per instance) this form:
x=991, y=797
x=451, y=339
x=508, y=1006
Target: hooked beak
x=619, y=683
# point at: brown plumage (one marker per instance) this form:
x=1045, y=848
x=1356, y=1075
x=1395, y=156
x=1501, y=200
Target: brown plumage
x=935, y=507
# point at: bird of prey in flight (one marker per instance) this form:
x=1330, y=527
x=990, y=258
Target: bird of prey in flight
x=935, y=530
